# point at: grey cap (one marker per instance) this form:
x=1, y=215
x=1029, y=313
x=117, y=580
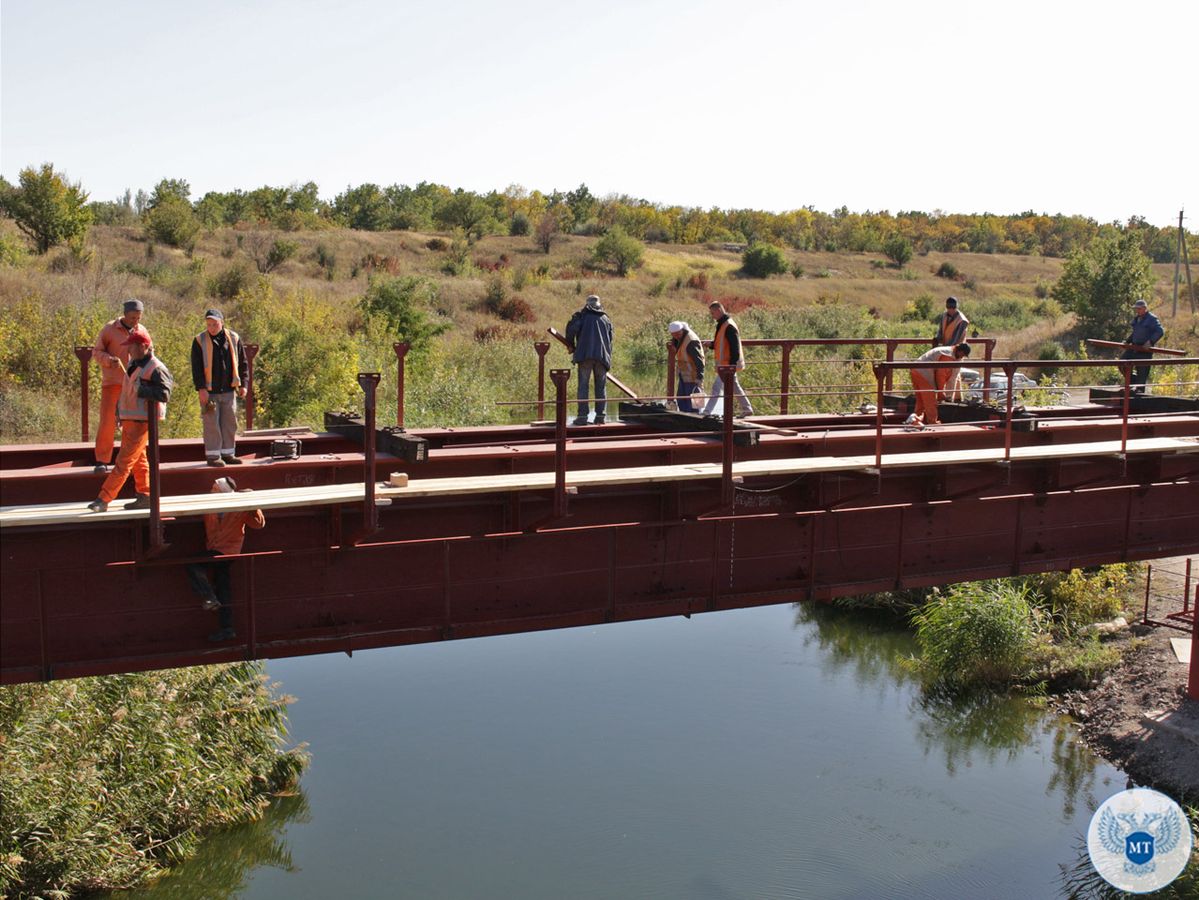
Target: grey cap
x=214, y=314
x=133, y=305
x=594, y=301
x=1141, y=303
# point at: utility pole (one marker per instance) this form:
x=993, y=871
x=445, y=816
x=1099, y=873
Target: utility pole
x=1181, y=255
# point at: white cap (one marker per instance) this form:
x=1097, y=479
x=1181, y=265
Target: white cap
x=676, y=327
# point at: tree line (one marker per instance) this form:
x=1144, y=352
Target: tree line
x=62, y=210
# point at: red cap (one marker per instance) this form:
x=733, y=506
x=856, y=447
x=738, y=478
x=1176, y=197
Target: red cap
x=137, y=337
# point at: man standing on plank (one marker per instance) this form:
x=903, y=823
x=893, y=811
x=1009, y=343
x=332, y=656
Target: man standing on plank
x=112, y=356
x=219, y=370
x=146, y=379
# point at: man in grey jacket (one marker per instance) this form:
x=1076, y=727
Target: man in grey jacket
x=589, y=331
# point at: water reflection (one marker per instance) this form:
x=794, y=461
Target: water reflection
x=229, y=856
x=963, y=730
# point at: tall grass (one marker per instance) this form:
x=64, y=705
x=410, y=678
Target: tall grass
x=107, y=780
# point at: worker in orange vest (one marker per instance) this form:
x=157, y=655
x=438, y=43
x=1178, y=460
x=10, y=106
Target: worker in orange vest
x=688, y=352
x=932, y=385
x=146, y=379
x=726, y=347
x=951, y=325
x=224, y=535
x=112, y=356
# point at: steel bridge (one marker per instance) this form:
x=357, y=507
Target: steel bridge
x=525, y=527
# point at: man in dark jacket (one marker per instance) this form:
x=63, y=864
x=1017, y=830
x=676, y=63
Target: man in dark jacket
x=951, y=325
x=219, y=373
x=590, y=333
x=1146, y=332
x=146, y=379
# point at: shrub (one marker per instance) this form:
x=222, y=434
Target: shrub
x=516, y=309
x=797, y=270
x=978, y=633
x=12, y=251
x=763, y=260
x=377, y=262
x=698, y=281
x=520, y=225
x=658, y=288
x=281, y=251
x=173, y=222
x=1051, y=350
x=619, y=249
x=948, y=270
x=403, y=305
x=230, y=283
x=1042, y=288
x=497, y=293
x=969, y=283
x=898, y=249
x=437, y=245
x=919, y=309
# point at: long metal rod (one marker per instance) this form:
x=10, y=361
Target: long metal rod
x=785, y=381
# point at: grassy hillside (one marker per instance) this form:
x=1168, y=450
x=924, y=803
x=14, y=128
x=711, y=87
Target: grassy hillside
x=493, y=297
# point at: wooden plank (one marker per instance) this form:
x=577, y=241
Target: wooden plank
x=191, y=505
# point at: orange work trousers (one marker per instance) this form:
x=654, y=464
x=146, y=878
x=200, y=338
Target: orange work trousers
x=926, y=399
x=135, y=438
x=106, y=431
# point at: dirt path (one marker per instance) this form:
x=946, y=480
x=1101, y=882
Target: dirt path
x=1139, y=717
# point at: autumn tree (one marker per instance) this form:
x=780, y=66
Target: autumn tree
x=47, y=207
x=1100, y=284
x=619, y=249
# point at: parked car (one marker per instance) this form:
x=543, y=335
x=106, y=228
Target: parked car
x=999, y=383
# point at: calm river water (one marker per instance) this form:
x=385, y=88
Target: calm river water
x=775, y=752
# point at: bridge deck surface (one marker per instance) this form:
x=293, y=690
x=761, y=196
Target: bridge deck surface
x=77, y=514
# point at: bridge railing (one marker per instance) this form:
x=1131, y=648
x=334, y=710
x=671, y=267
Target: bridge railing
x=883, y=372
x=785, y=346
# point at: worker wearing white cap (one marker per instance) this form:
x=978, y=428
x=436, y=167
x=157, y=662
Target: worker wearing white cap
x=688, y=363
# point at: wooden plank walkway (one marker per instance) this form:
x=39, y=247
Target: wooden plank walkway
x=280, y=498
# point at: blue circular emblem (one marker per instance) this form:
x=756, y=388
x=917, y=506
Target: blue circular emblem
x=1139, y=840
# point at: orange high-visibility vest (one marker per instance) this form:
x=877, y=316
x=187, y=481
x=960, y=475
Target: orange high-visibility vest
x=721, y=345
x=205, y=340
x=684, y=364
x=131, y=407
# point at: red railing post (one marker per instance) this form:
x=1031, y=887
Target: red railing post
x=157, y=544
x=251, y=352
x=880, y=379
x=727, y=498
x=1010, y=371
x=785, y=381
x=670, y=397
x=85, y=357
x=560, y=377
x=541, y=347
x=369, y=381
x=1126, y=370
x=988, y=355
x=890, y=378
x=401, y=349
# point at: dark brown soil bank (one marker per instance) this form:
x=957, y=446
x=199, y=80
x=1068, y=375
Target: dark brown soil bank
x=1138, y=716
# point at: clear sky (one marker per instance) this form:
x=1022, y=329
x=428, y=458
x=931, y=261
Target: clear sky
x=1055, y=105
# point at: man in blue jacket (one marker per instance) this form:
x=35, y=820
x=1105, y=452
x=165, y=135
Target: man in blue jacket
x=1146, y=332
x=590, y=333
